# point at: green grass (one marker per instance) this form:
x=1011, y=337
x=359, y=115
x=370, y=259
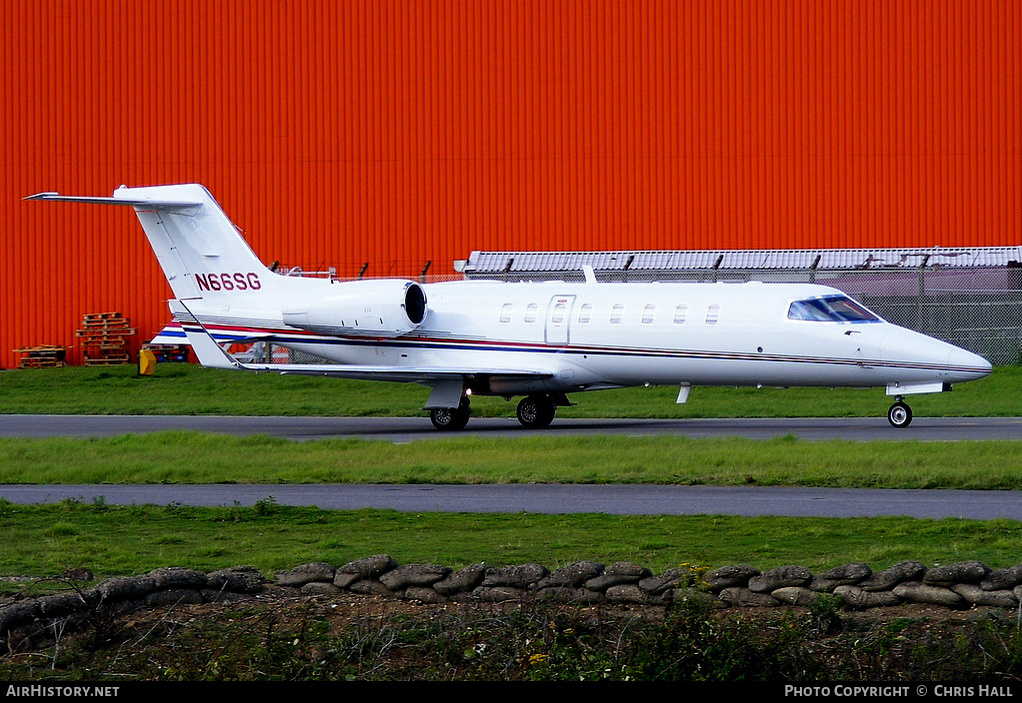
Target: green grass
x=114, y=540
x=187, y=457
x=41, y=540
x=190, y=390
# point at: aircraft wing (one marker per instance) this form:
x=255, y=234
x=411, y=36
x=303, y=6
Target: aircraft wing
x=211, y=354
x=447, y=383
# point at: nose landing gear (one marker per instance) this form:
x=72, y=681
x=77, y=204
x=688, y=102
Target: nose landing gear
x=899, y=414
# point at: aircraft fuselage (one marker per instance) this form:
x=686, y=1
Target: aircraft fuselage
x=607, y=335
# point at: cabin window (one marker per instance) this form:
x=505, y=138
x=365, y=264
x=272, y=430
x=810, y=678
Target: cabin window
x=647, y=314
x=712, y=314
x=616, y=313
x=531, y=311
x=680, y=313
x=834, y=308
x=505, y=313
x=557, y=316
x=585, y=313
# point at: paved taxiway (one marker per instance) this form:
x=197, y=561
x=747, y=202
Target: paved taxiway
x=407, y=429
x=555, y=499
x=615, y=499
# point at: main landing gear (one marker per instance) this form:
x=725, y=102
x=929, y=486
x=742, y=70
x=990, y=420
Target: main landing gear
x=534, y=412
x=451, y=418
x=899, y=414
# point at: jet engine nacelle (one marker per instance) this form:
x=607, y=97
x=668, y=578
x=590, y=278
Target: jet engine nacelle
x=385, y=308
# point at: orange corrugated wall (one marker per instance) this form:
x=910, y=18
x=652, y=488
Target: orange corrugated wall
x=399, y=131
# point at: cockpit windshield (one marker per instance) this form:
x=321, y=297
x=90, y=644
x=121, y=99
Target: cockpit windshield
x=835, y=308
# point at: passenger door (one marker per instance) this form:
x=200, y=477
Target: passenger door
x=558, y=319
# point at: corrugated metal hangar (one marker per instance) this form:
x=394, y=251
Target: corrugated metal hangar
x=386, y=134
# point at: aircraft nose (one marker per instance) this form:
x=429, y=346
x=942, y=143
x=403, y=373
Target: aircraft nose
x=967, y=366
x=952, y=364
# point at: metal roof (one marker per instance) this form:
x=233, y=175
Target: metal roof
x=483, y=262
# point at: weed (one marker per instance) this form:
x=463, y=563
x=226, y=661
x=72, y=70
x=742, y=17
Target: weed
x=266, y=506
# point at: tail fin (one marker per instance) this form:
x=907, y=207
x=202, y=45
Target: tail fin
x=199, y=249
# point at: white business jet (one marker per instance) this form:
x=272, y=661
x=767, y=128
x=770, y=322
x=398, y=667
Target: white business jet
x=537, y=340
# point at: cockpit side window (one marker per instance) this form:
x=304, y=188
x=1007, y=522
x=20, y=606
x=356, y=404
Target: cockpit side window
x=835, y=308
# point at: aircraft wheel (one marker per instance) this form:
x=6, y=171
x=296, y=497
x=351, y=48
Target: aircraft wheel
x=451, y=419
x=899, y=415
x=536, y=411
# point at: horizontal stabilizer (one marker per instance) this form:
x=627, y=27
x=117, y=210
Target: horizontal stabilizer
x=103, y=200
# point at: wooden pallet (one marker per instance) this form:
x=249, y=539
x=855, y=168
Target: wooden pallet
x=44, y=356
x=104, y=319
x=106, y=360
x=103, y=338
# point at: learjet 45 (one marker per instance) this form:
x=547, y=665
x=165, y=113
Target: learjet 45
x=538, y=340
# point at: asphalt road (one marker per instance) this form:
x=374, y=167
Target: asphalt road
x=556, y=499
x=407, y=429
x=551, y=499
